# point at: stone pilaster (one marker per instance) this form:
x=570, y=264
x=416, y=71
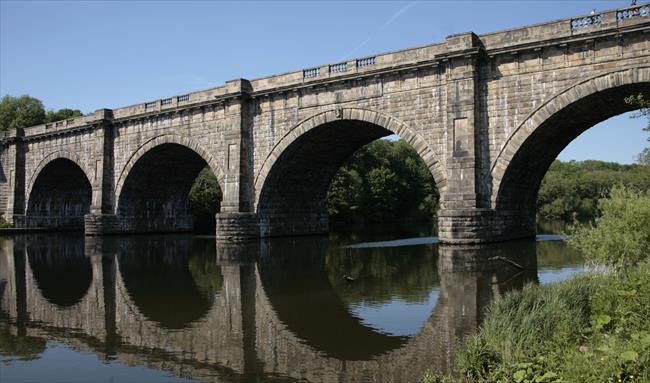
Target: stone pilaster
x=16, y=177
x=101, y=219
x=236, y=221
x=238, y=183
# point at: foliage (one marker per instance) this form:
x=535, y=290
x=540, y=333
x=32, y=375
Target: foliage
x=591, y=328
x=205, y=199
x=643, y=103
x=430, y=377
x=621, y=236
x=25, y=111
x=61, y=114
x=385, y=181
x=570, y=190
x=594, y=327
x=20, y=112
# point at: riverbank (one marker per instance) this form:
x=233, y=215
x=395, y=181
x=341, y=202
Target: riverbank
x=592, y=328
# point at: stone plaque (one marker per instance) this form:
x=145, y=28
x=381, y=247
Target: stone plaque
x=462, y=137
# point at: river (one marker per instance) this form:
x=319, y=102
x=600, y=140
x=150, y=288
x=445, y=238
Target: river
x=180, y=308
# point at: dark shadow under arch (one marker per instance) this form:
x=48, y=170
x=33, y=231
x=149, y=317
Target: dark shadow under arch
x=522, y=174
x=154, y=197
x=292, y=192
x=60, y=197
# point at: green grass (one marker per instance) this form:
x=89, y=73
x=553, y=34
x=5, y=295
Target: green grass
x=592, y=328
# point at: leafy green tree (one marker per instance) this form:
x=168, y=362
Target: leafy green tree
x=20, y=112
x=571, y=190
x=385, y=181
x=621, y=236
x=643, y=103
x=62, y=114
x=204, y=200
x=26, y=111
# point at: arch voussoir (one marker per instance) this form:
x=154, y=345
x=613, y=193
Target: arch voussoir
x=65, y=154
x=168, y=139
x=627, y=78
x=389, y=123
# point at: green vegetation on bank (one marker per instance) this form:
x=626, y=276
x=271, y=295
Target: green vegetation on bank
x=592, y=328
x=620, y=237
x=643, y=103
x=571, y=190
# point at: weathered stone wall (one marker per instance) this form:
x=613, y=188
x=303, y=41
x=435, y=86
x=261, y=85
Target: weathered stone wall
x=5, y=174
x=520, y=83
x=487, y=114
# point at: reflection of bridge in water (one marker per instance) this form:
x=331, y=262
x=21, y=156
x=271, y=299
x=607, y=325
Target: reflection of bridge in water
x=238, y=327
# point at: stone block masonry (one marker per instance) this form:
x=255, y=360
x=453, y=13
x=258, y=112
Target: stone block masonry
x=487, y=114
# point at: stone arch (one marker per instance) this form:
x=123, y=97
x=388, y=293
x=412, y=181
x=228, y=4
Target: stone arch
x=168, y=139
x=65, y=154
x=292, y=183
x=153, y=187
x=428, y=155
x=58, y=193
x=519, y=168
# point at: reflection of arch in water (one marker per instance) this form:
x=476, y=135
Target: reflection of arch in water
x=405, y=276
x=293, y=278
x=211, y=330
x=64, y=288
x=155, y=272
x=242, y=332
x=464, y=294
x=60, y=269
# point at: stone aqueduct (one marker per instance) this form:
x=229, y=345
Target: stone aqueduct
x=487, y=114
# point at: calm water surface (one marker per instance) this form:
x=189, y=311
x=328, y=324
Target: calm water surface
x=179, y=308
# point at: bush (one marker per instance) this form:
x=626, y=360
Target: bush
x=590, y=328
x=526, y=325
x=621, y=236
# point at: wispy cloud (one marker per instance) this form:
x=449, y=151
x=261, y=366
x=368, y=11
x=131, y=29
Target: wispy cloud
x=385, y=25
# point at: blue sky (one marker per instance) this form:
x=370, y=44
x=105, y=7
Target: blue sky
x=92, y=54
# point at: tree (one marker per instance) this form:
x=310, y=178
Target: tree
x=62, y=114
x=205, y=199
x=20, y=112
x=644, y=104
x=25, y=111
x=385, y=181
x=621, y=235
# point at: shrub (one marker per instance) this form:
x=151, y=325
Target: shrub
x=621, y=236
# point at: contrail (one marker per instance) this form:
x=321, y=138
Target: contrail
x=385, y=25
